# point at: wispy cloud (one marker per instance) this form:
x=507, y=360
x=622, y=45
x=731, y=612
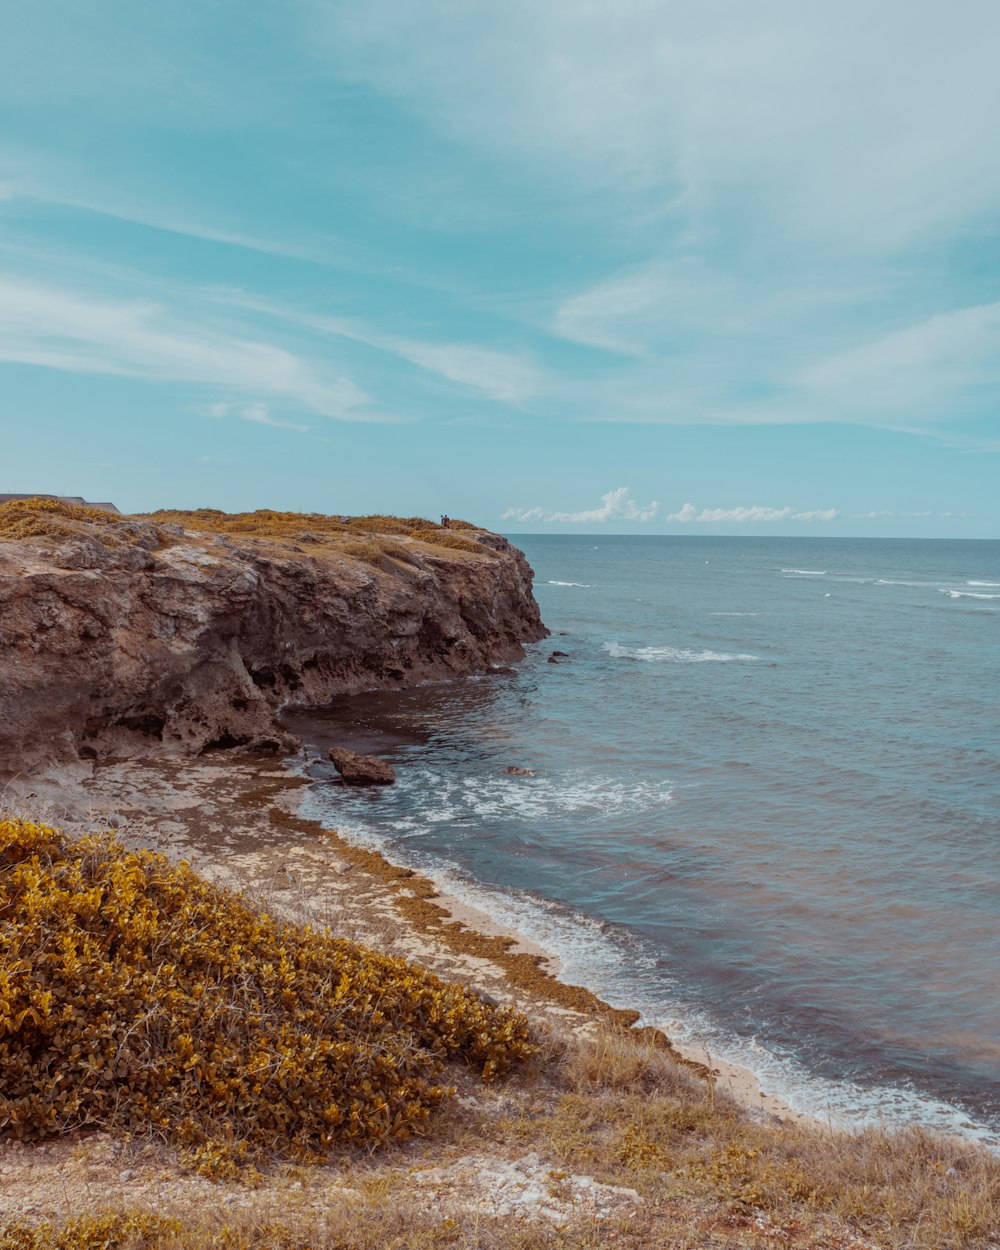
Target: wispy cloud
x=500, y=375
x=616, y=505
x=259, y=413
x=77, y=332
x=755, y=515
x=706, y=105
x=932, y=367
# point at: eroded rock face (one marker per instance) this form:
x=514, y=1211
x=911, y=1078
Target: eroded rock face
x=111, y=649
x=361, y=770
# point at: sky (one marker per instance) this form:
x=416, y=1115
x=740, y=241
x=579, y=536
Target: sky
x=549, y=265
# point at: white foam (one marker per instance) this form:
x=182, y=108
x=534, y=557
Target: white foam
x=579, y=794
x=732, y=614
x=967, y=594
x=675, y=655
x=618, y=968
x=997, y=584
x=806, y=572
x=584, y=585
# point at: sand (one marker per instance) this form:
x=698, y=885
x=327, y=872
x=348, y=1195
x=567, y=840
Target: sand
x=237, y=819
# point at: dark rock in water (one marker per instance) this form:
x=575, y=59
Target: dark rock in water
x=361, y=770
x=562, y=655
x=552, y=660
x=513, y=771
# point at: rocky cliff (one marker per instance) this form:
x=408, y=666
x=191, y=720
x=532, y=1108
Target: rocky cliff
x=177, y=633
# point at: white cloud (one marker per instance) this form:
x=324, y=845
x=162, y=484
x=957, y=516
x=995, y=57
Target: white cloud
x=689, y=514
x=258, y=412
x=731, y=101
x=61, y=329
x=888, y=514
x=616, y=505
x=501, y=375
x=928, y=367
x=525, y=514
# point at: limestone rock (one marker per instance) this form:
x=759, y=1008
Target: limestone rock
x=119, y=643
x=361, y=770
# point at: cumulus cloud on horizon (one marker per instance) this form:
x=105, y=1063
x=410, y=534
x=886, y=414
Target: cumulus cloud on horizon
x=689, y=514
x=886, y=514
x=616, y=505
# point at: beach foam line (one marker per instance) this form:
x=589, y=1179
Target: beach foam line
x=614, y=967
x=431, y=796
x=676, y=655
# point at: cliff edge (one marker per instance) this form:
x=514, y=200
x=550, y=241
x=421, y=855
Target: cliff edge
x=179, y=632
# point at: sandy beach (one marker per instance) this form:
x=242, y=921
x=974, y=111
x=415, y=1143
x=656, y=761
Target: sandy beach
x=237, y=819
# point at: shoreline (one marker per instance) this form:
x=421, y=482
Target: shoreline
x=240, y=821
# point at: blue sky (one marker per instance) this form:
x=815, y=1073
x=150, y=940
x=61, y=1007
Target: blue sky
x=546, y=264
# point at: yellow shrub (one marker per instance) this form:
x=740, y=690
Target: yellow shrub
x=445, y=538
x=136, y=995
x=26, y=518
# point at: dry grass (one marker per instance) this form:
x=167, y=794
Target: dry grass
x=30, y=518
x=366, y=538
x=310, y=526
x=378, y=1224
x=628, y=1114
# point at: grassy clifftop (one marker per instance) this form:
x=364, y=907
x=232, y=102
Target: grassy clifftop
x=30, y=518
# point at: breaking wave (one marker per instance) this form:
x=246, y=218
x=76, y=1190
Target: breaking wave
x=676, y=655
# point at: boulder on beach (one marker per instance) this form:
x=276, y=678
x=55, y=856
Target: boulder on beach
x=361, y=770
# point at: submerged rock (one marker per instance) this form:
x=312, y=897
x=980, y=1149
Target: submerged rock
x=513, y=771
x=361, y=770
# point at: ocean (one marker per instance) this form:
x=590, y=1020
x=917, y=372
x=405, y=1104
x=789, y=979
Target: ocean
x=765, y=809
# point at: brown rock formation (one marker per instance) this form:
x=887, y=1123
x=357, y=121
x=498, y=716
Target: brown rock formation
x=132, y=636
x=361, y=770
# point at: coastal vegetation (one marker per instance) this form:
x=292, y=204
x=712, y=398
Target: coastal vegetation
x=38, y=517
x=310, y=1078
x=312, y=526
x=136, y=996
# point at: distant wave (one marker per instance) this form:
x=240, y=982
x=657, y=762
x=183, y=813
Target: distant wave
x=967, y=594
x=806, y=572
x=674, y=655
x=997, y=584
x=585, y=585
x=732, y=614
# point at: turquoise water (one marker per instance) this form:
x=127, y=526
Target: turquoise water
x=765, y=810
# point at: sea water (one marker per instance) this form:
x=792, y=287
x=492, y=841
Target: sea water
x=765, y=808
